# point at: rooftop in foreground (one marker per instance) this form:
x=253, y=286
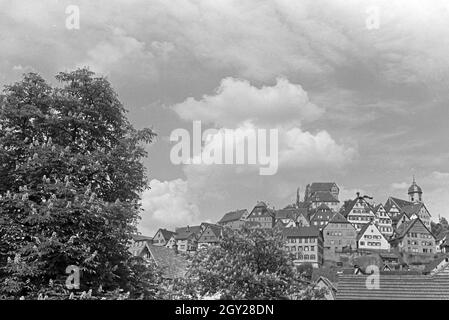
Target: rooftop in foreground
x=393, y=287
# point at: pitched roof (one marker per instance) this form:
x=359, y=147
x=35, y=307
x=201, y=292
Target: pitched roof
x=138, y=237
x=327, y=282
x=412, y=209
x=301, y=232
x=364, y=228
x=264, y=209
x=362, y=231
x=376, y=208
x=216, y=230
x=166, y=233
x=291, y=213
x=398, y=217
x=173, y=265
x=431, y=266
x=233, y=216
x=393, y=287
x=323, y=196
x=402, y=230
x=349, y=207
x=338, y=218
x=138, y=250
x=319, y=216
x=406, y=226
x=186, y=232
x=261, y=204
x=321, y=186
x=321, y=208
x=398, y=202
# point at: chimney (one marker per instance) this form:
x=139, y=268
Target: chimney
x=188, y=228
x=358, y=194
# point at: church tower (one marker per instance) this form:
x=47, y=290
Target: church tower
x=415, y=192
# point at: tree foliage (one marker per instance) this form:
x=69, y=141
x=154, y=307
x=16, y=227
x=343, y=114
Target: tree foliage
x=440, y=227
x=71, y=173
x=247, y=264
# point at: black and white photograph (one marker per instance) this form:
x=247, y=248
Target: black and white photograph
x=198, y=152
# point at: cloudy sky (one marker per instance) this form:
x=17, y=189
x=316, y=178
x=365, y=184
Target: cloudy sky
x=355, y=102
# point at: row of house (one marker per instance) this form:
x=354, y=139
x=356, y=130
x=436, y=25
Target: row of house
x=164, y=246
x=317, y=229
x=399, y=225
x=189, y=238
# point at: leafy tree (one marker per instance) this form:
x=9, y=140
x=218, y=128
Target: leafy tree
x=70, y=177
x=305, y=270
x=247, y=264
x=440, y=227
x=444, y=223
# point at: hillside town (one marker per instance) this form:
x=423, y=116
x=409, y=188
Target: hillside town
x=341, y=241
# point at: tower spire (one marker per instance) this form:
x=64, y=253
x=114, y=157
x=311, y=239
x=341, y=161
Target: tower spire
x=415, y=192
x=297, y=197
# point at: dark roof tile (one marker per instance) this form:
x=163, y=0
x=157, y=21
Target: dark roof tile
x=301, y=232
x=394, y=287
x=233, y=216
x=186, y=232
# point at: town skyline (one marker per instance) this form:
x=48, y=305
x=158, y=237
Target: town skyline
x=301, y=197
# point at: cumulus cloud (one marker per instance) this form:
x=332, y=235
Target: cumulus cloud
x=239, y=108
x=236, y=101
x=167, y=204
x=303, y=149
x=282, y=107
